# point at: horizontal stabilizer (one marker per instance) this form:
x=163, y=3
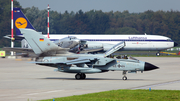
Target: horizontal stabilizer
x=18, y=49
x=16, y=38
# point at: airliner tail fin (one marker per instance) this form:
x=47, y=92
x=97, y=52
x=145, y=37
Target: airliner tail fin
x=20, y=21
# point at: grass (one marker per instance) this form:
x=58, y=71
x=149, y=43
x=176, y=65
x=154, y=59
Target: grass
x=146, y=53
x=154, y=55
x=125, y=95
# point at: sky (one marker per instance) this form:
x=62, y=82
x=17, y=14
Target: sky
x=133, y=6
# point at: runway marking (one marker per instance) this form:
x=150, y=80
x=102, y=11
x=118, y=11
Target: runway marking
x=45, y=92
x=160, y=84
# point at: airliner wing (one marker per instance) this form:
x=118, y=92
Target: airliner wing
x=17, y=38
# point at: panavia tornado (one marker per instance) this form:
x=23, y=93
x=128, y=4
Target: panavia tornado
x=49, y=54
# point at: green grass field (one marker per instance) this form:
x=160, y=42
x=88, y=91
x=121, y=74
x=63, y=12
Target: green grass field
x=154, y=55
x=126, y=95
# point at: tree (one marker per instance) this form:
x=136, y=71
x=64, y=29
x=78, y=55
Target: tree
x=5, y=20
x=166, y=23
x=124, y=30
x=32, y=14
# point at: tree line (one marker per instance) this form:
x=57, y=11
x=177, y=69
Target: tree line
x=166, y=23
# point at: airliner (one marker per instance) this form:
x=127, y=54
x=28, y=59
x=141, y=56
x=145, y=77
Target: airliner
x=132, y=42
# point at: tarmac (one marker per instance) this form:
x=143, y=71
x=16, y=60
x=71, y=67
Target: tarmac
x=24, y=81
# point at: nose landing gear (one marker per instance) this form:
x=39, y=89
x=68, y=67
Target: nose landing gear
x=124, y=77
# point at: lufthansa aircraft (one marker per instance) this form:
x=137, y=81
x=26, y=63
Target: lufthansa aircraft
x=132, y=42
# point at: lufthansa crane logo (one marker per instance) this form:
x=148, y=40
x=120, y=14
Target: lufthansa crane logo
x=21, y=23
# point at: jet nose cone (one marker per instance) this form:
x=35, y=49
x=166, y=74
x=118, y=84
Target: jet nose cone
x=175, y=44
x=149, y=66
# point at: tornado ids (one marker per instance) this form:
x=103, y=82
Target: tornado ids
x=49, y=54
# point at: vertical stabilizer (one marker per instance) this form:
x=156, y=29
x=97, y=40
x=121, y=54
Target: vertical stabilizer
x=20, y=21
x=38, y=42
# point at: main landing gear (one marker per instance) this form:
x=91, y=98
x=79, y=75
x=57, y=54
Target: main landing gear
x=124, y=77
x=79, y=76
x=158, y=54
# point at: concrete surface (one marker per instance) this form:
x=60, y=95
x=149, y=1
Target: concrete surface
x=22, y=81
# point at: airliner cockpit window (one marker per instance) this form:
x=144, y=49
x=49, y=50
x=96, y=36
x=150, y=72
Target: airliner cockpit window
x=168, y=39
x=72, y=37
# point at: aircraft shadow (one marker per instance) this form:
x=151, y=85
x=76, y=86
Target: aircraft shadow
x=59, y=78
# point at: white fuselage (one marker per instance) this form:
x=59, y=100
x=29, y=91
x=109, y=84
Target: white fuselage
x=133, y=42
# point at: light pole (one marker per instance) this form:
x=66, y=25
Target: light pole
x=48, y=8
x=12, y=29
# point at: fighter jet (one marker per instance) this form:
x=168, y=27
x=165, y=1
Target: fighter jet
x=49, y=54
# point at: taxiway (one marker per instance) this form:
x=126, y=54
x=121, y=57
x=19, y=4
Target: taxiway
x=21, y=81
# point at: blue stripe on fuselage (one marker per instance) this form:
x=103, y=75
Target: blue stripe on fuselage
x=118, y=40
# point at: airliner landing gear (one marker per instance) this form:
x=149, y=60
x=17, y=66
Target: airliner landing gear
x=157, y=54
x=79, y=76
x=124, y=77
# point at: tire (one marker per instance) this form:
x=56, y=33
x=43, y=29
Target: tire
x=157, y=54
x=78, y=76
x=83, y=76
x=124, y=78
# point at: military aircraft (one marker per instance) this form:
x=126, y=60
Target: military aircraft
x=49, y=54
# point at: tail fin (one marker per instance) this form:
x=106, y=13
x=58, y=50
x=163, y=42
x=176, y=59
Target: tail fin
x=38, y=42
x=20, y=21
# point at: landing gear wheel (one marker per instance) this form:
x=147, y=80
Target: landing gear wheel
x=83, y=76
x=158, y=54
x=124, y=78
x=78, y=76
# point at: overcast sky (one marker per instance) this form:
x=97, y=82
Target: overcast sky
x=133, y=6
